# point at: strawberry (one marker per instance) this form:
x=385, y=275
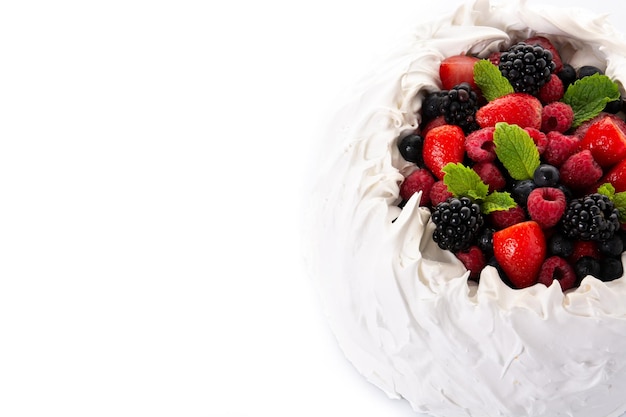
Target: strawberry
x=546, y=44
x=520, y=109
x=582, y=129
x=457, y=69
x=606, y=142
x=617, y=177
x=442, y=145
x=520, y=250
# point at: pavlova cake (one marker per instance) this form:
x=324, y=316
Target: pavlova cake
x=467, y=230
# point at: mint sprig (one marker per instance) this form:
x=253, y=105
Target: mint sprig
x=588, y=96
x=516, y=150
x=463, y=181
x=490, y=80
x=618, y=199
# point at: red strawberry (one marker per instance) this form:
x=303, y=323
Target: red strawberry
x=606, y=142
x=546, y=44
x=442, y=145
x=457, y=69
x=520, y=250
x=581, y=130
x=617, y=177
x=420, y=180
x=520, y=109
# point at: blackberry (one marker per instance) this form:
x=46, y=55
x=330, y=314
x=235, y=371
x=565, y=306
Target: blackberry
x=593, y=217
x=457, y=221
x=431, y=106
x=527, y=67
x=459, y=107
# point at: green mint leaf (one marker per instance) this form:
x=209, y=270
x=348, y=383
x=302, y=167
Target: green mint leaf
x=490, y=80
x=497, y=201
x=516, y=150
x=589, y=95
x=464, y=182
x=618, y=199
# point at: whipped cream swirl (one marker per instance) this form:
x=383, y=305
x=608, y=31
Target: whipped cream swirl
x=403, y=310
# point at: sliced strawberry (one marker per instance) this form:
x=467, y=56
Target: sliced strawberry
x=616, y=176
x=606, y=141
x=581, y=130
x=442, y=145
x=520, y=250
x=457, y=69
x=545, y=43
x=520, y=109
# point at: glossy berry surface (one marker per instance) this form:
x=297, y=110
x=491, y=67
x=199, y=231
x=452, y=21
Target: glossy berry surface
x=546, y=176
x=527, y=67
x=457, y=222
x=411, y=147
x=591, y=218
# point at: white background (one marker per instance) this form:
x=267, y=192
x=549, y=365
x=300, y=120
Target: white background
x=152, y=162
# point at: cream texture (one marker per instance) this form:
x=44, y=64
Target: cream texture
x=402, y=309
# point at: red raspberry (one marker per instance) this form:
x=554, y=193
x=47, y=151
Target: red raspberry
x=502, y=219
x=557, y=268
x=479, y=145
x=560, y=147
x=439, y=193
x=420, y=180
x=556, y=116
x=494, y=57
x=546, y=206
x=580, y=171
x=540, y=139
x=491, y=175
x=584, y=248
x=552, y=90
x=474, y=260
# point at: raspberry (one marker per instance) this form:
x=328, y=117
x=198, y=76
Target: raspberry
x=439, y=193
x=557, y=268
x=420, y=180
x=502, y=219
x=546, y=205
x=552, y=90
x=560, y=147
x=540, y=139
x=584, y=248
x=580, y=171
x=556, y=116
x=494, y=57
x=457, y=223
x=474, y=260
x=479, y=145
x=593, y=217
x=491, y=175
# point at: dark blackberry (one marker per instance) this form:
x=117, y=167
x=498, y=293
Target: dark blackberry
x=457, y=221
x=459, y=107
x=410, y=148
x=527, y=67
x=593, y=217
x=559, y=245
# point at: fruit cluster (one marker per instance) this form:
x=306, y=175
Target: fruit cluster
x=521, y=159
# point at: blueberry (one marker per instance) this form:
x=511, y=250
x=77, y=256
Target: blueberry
x=568, y=193
x=614, y=106
x=485, y=241
x=521, y=190
x=588, y=70
x=411, y=148
x=587, y=266
x=613, y=246
x=610, y=269
x=546, y=176
x=559, y=245
x=567, y=75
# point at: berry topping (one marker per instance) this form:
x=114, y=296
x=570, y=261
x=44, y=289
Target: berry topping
x=567, y=75
x=552, y=91
x=457, y=222
x=546, y=176
x=502, y=219
x=439, y=193
x=457, y=69
x=459, y=107
x=580, y=171
x=546, y=205
x=557, y=269
x=556, y=116
x=527, y=67
x=591, y=218
x=610, y=269
x=560, y=148
x=410, y=148
x=520, y=109
x=520, y=250
x=521, y=190
x=443, y=145
x=490, y=175
x=587, y=70
x=479, y=145
x=546, y=44
x=587, y=266
x=539, y=138
x=474, y=260
x=606, y=141
x=559, y=245
x=420, y=180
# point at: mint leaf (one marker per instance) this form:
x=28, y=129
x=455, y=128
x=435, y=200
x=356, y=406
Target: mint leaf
x=516, y=150
x=497, y=201
x=464, y=182
x=490, y=80
x=589, y=95
x=618, y=199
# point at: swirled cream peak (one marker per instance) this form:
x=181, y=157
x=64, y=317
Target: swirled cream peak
x=403, y=310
